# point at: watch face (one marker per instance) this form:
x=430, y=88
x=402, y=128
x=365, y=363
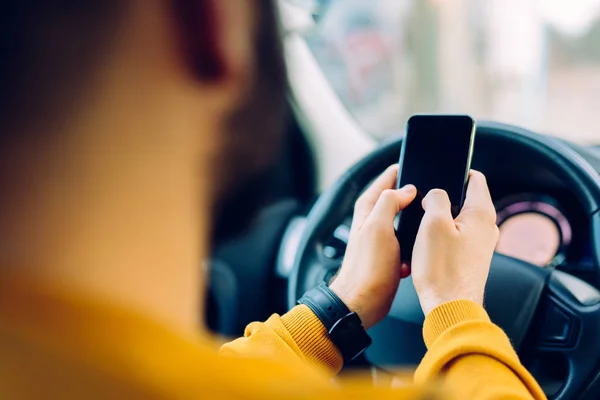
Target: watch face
x=350, y=337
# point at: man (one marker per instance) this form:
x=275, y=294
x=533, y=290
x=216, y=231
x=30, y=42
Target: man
x=133, y=133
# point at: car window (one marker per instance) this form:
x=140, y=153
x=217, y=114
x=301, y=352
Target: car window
x=534, y=63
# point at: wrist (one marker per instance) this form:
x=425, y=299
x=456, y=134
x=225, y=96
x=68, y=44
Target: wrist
x=345, y=328
x=448, y=315
x=351, y=300
x=430, y=301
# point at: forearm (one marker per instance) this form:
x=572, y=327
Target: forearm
x=473, y=357
x=296, y=336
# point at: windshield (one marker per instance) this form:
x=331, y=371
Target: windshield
x=533, y=63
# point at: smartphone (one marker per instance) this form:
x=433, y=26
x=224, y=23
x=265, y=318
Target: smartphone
x=436, y=154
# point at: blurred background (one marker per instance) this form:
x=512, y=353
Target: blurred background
x=533, y=63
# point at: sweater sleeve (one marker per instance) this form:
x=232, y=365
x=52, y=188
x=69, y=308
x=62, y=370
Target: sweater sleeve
x=297, y=335
x=472, y=356
x=461, y=340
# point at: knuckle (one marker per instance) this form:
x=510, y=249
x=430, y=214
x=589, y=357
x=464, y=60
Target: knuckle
x=485, y=215
x=493, y=215
x=496, y=231
x=387, y=195
x=360, y=202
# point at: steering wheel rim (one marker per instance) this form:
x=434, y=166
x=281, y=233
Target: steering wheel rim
x=540, y=293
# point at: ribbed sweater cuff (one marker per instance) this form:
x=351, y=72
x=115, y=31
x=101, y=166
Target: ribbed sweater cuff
x=312, y=338
x=449, y=314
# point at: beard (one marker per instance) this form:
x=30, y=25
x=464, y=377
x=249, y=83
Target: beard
x=253, y=136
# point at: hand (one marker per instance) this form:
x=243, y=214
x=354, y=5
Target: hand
x=371, y=271
x=451, y=258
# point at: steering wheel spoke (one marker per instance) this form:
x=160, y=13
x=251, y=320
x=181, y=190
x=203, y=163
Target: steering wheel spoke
x=559, y=327
x=567, y=326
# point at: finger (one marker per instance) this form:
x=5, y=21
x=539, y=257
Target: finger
x=390, y=203
x=478, y=201
x=437, y=207
x=478, y=193
x=366, y=202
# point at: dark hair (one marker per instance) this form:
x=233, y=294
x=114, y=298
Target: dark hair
x=47, y=50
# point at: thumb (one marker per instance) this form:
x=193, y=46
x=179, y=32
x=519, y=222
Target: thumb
x=391, y=202
x=437, y=207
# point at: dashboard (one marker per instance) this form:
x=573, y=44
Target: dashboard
x=547, y=228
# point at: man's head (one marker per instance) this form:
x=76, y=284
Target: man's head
x=205, y=78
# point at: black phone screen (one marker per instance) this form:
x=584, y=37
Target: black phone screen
x=436, y=154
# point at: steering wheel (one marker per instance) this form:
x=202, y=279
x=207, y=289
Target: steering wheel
x=547, y=314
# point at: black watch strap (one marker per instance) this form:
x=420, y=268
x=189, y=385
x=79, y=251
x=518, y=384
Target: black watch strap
x=343, y=326
x=328, y=307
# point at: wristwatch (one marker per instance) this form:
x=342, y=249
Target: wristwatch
x=344, y=327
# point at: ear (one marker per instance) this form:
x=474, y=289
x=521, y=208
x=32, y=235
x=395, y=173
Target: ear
x=216, y=38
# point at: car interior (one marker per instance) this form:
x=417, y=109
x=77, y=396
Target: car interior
x=537, y=143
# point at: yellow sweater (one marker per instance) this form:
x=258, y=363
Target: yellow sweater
x=55, y=344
